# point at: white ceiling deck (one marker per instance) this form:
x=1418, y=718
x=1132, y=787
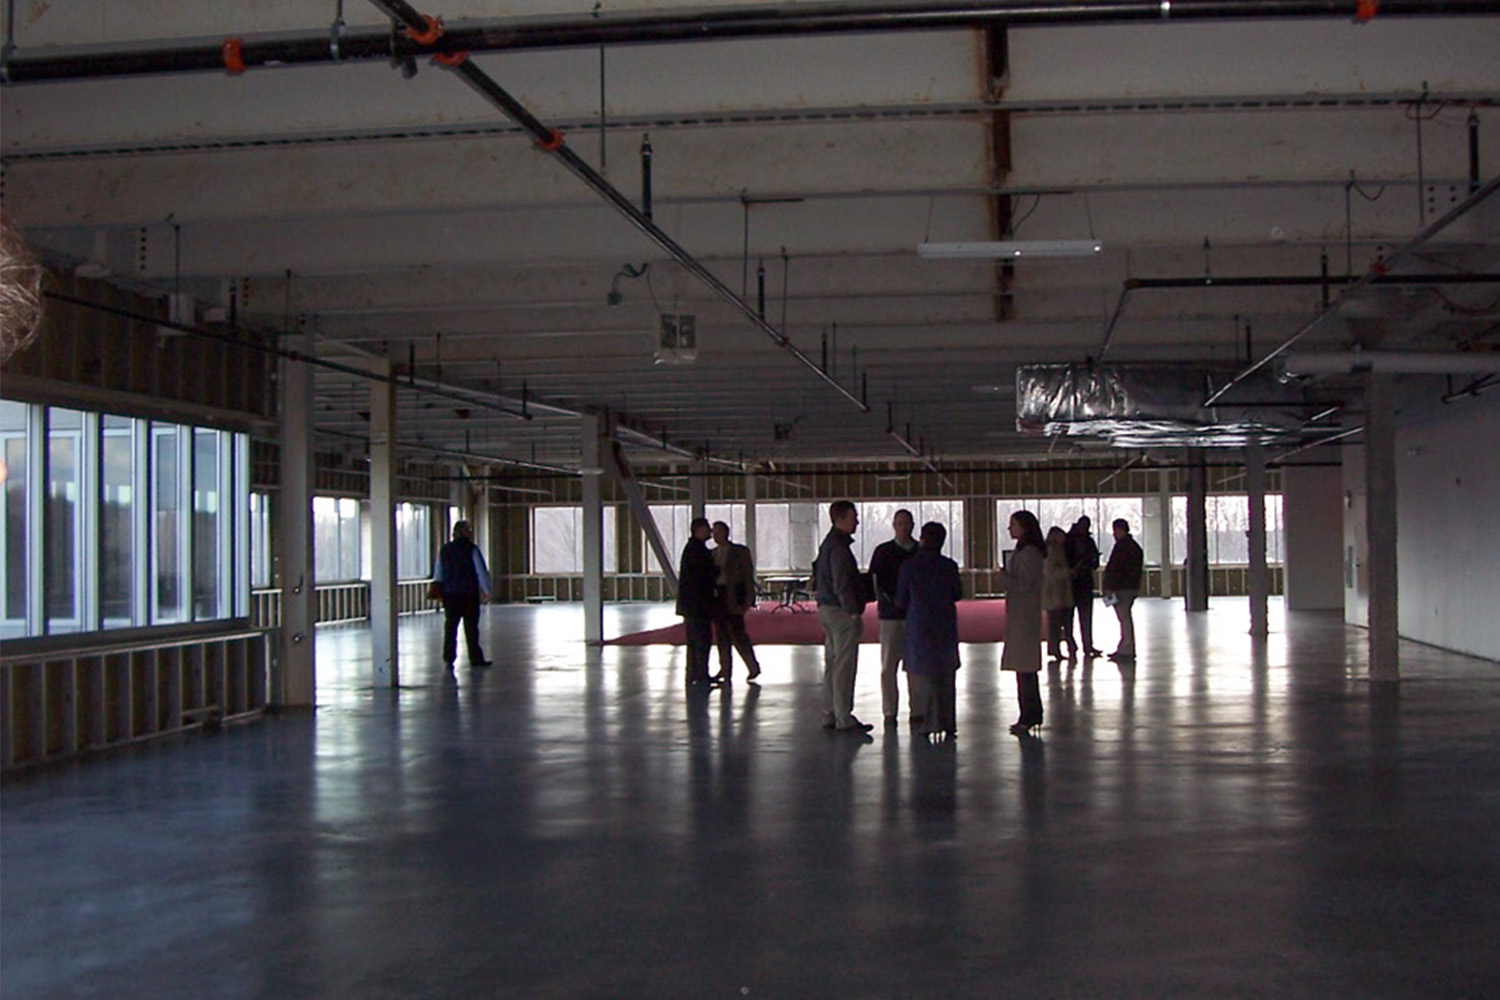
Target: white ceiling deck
x=409, y=218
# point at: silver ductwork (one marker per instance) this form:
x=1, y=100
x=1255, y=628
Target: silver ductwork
x=1154, y=406
x=1398, y=362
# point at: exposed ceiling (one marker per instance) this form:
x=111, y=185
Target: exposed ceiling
x=406, y=216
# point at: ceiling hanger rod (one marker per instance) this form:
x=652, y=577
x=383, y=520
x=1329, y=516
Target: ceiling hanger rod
x=550, y=140
x=696, y=25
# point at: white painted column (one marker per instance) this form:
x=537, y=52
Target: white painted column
x=1197, y=533
x=1258, y=578
x=1380, y=525
x=591, y=436
x=295, y=681
x=1164, y=527
x=384, y=669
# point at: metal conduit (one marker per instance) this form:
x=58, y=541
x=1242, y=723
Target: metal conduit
x=550, y=140
x=340, y=44
x=1133, y=285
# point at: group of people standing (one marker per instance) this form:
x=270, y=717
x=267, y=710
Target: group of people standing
x=916, y=590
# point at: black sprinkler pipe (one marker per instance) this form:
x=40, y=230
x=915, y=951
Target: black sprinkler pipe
x=590, y=30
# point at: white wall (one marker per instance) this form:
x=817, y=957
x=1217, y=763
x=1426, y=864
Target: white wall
x=1312, y=525
x=1353, y=562
x=1448, y=492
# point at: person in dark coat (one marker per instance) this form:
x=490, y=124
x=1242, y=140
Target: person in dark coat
x=885, y=572
x=696, y=601
x=463, y=581
x=1083, y=559
x=928, y=591
x=1122, y=584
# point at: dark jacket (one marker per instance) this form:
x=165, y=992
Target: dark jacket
x=929, y=591
x=737, y=595
x=695, y=581
x=1123, y=571
x=836, y=576
x=885, y=570
x=456, y=573
x=1083, y=558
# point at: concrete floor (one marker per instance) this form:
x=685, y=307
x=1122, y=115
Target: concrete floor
x=1223, y=822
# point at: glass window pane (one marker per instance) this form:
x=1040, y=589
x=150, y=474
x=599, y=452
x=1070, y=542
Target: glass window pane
x=13, y=452
x=168, y=523
x=325, y=539
x=348, y=538
x=206, y=504
x=64, y=602
x=556, y=543
x=260, y=540
x=672, y=521
x=117, y=510
x=413, y=541
x=611, y=540
x=773, y=537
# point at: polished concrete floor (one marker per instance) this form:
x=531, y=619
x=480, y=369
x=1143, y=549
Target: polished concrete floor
x=1226, y=820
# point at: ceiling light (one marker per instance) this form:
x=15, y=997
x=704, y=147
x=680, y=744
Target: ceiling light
x=1009, y=249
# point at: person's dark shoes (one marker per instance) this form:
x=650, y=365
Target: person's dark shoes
x=1122, y=657
x=1094, y=652
x=479, y=664
x=703, y=679
x=890, y=722
x=829, y=722
x=853, y=725
x=720, y=678
x=754, y=672
x=1024, y=726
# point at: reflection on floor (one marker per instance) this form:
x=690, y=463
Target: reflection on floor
x=1227, y=819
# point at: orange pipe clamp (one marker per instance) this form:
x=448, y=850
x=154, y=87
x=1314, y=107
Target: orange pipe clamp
x=553, y=142
x=452, y=60
x=1365, y=10
x=234, y=55
x=432, y=34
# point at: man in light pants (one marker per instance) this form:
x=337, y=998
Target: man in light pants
x=885, y=570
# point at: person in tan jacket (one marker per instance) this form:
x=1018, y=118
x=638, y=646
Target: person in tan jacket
x=735, y=584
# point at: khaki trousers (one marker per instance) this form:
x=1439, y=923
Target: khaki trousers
x=841, y=632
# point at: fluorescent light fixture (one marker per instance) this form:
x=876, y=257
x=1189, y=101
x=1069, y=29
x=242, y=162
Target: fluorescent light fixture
x=1009, y=249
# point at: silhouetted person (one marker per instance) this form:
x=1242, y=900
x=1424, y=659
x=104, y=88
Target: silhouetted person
x=929, y=590
x=734, y=582
x=885, y=572
x=1057, y=595
x=1122, y=583
x=464, y=579
x=695, y=599
x=840, y=592
x=1083, y=559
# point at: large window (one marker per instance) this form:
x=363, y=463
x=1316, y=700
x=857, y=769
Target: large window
x=114, y=522
x=1228, y=529
x=787, y=536
x=336, y=539
x=260, y=540
x=557, y=540
x=1061, y=512
x=875, y=517
x=414, y=549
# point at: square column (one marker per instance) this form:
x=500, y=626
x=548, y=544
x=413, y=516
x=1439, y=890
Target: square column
x=1258, y=578
x=294, y=684
x=1380, y=525
x=592, y=440
x=384, y=668
x=1197, y=533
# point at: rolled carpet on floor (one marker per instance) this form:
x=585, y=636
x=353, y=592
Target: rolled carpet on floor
x=978, y=621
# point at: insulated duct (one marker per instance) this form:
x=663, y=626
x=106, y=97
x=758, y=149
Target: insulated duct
x=1396, y=362
x=1153, y=406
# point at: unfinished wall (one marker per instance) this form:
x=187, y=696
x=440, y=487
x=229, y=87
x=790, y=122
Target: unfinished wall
x=1448, y=489
x=1312, y=517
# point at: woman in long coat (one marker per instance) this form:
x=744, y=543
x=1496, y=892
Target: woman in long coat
x=1022, y=579
x=928, y=590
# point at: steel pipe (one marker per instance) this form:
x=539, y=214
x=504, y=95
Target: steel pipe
x=589, y=30
x=1396, y=362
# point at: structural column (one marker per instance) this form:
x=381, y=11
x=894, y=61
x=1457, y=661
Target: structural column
x=1196, y=576
x=697, y=489
x=384, y=669
x=1258, y=579
x=295, y=681
x=1380, y=525
x=1164, y=531
x=750, y=496
x=592, y=437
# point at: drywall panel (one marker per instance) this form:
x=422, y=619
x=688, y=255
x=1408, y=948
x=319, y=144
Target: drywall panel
x=1312, y=519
